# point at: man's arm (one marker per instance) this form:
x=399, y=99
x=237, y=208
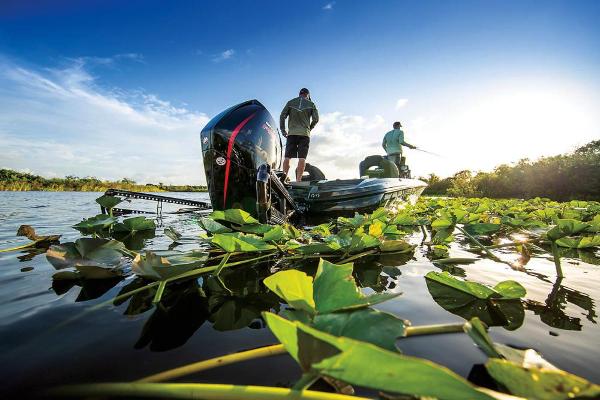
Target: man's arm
x=383, y=143
x=315, y=118
x=284, y=113
x=406, y=144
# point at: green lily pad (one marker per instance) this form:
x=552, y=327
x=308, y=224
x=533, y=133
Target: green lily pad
x=566, y=227
x=508, y=313
x=334, y=289
x=275, y=234
x=540, y=383
x=239, y=242
x=159, y=268
x=295, y=287
x=404, y=219
x=361, y=242
x=367, y=365
x=108, y=202
x=506, y=289
x=235, y=216
x=397, y=246
x=95, y=224
x=367, y=325
x=135, y=224
x=582, y=242
x=86, y=251
x=211, y=226
x=319, y=248
x=481, y=229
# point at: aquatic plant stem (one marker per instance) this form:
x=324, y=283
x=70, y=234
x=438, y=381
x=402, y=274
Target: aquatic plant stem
x=478, y=244
x=556, y=257
x=25, y=246
x=222, y=264
x=357, y=256
x=194, y=391
x=215, y=362
x=305, y=381
x=433, y=329
x=159, y=292
x=424, y=231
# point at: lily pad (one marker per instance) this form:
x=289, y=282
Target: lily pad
x=506, y=289
x=86, y=251
x=235, y=216
x=211, y=226
x=481, y=229
x=295, y=287
x=582, y=242
x=319, y=248
x=367, y=365
x=239, y=242
x=540, y=383
x=95, y=224
x=367, y=325
x=335, y=289
x=156, y=267
x=566, y=227
x=396, y=246
x=108, y=202
x=507, y=313
x=135, y=224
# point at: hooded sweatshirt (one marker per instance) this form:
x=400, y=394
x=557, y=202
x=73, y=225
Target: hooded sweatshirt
x=303, y=116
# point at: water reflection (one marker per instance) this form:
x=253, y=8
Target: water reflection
x=233, y=300
x=552, y=311
x=237, y=298
x=506, y=313
x=182, y=310
x=90, y=288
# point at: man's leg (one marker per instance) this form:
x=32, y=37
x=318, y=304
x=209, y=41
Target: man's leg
x=300, y=169
x=286, y=165
x=303, y=145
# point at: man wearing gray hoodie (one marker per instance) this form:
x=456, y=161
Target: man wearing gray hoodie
x=302, y=116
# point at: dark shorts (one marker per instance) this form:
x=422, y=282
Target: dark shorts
x=297, y=146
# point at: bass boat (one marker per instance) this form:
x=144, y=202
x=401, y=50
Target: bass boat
x=242, y=153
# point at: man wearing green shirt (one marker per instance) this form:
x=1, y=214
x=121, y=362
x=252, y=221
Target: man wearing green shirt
x=302, y=117
x=393, y=142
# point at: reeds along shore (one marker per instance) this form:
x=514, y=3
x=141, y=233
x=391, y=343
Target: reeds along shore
x=18, y=181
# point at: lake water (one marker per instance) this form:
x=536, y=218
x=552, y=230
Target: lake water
x=48, y=338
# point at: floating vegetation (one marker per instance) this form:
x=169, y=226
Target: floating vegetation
x=320, y=316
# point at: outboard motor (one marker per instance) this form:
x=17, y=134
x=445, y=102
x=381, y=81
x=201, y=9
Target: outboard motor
x=235, y=144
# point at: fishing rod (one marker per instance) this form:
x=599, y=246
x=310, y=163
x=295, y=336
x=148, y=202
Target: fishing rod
x=428, y=152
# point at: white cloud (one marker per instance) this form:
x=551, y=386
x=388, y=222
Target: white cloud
x=60, y=121
x=225, y=55
x=340, y=142
x=329, y=6
x=401, y=103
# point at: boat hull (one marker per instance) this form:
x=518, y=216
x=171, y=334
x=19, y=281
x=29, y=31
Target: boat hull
x=341, y=197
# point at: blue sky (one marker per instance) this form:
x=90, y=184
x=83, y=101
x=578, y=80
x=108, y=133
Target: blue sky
x=114, y=89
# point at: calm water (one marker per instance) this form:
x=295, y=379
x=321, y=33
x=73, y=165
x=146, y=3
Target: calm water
x=47, y=339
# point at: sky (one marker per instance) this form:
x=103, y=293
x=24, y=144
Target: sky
x=117, y=89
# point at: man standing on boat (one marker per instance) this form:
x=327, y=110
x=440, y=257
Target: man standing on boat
x=302, y=117
x=392, y=144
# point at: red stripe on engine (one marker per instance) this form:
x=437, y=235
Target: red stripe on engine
x=229, y=150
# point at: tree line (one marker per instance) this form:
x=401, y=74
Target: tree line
x=569, y=176
x=20, y=181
